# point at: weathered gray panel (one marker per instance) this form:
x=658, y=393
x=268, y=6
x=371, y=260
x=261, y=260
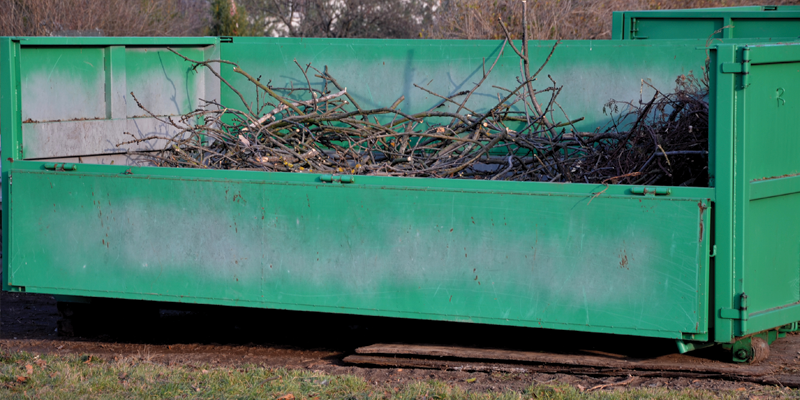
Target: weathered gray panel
x=75, y=138
x=77, y=101
x=63, y=84
x=163, y=82
x=137, y=160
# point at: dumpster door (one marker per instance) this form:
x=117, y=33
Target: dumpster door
x=763, y=291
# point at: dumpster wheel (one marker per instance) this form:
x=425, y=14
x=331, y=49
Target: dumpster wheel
x=759, y=350
x=750, y=350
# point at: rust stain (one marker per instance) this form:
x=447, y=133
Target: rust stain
x=703, y=209
x=33, y=121
x=766, y=178
x=623, y=260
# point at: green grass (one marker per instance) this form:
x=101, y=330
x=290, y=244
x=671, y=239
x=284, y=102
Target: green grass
x=24, y=375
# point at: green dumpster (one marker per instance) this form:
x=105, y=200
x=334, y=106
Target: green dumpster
x=773, y=23
x=85, y=220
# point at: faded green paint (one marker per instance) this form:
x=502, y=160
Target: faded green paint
x=378, y=72
x=506, y=253
x=764, y=23
x=70, y=80
x=162, y=81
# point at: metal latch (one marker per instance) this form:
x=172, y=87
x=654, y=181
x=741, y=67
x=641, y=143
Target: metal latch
x=337, y=178
x=635, y=29
x=742, y=68
x=60, y=166
x=661, y=191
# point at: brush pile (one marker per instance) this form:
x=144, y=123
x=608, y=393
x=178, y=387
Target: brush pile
x=663, y=141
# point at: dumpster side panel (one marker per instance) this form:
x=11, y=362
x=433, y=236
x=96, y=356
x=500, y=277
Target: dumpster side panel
x=536, y=255
x=377, y=73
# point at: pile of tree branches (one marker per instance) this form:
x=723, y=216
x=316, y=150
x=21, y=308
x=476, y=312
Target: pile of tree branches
x=660, y=141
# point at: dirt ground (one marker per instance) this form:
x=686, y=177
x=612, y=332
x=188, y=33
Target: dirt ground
x=225, y=336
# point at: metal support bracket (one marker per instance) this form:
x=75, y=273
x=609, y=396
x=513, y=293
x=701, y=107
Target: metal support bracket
x=753, y=348
x=685, y=346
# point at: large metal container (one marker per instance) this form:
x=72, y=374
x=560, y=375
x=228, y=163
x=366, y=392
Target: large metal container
x=697, y=265
x=773, y=23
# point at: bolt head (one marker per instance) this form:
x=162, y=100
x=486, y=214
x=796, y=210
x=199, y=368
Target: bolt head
x=742, y=353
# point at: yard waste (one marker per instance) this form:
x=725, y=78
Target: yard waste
x=657, y=141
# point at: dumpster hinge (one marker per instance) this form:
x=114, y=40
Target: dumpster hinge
x=742, y=68
x=60, y=166
x=739, y=314
x=337, y=178
x=645, y=191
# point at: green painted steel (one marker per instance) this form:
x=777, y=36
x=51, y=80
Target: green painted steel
x=758, y=266
x=767, y=248
x=752, y=22
x=621, y=259
x=378, y=72
x=504, y=253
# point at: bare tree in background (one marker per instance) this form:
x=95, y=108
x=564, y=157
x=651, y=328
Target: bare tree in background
x=103, y=17
x=437, y=19
x=548, y=19
x=342, y=18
